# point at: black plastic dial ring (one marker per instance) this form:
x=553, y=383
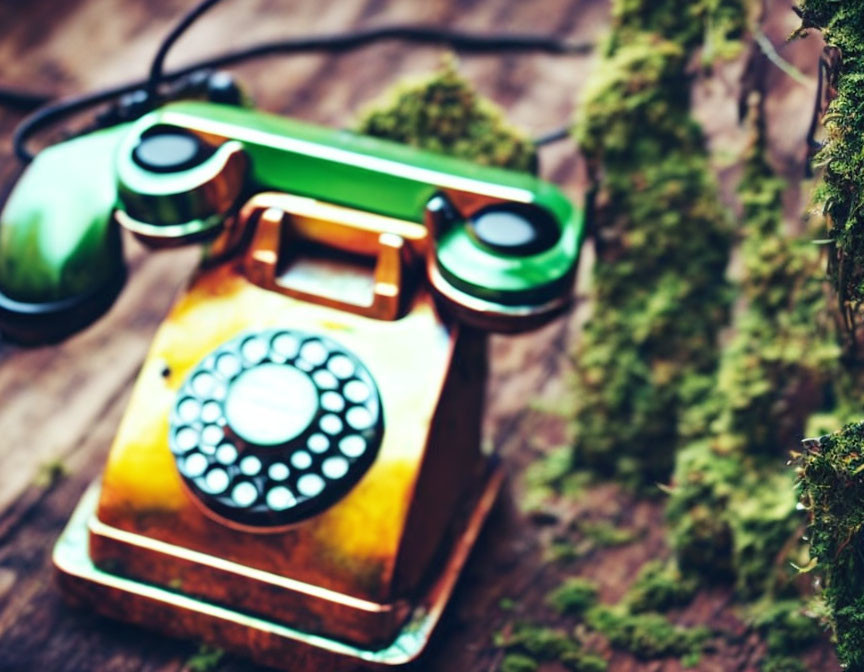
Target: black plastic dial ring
x=275, y=426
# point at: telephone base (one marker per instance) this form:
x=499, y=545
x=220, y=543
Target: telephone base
x=265, y=641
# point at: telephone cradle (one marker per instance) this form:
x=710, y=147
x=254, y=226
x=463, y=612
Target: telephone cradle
x=298, y=476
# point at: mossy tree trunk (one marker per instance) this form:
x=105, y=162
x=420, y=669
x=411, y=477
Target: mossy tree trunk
x=831, y=469
x=649, y=350
x=732, y=507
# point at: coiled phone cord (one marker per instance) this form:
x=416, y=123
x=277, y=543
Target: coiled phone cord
x=470, y=42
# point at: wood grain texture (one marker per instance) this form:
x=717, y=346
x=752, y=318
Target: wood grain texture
x=62, y=404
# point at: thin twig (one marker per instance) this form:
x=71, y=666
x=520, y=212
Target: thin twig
x=771, y=53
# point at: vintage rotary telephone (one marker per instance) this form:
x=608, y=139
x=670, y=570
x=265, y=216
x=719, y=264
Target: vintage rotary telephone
x=298, y=475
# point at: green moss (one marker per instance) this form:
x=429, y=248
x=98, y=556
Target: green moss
x=50, y=473
x=691, y=659
x=604, y=534
x=765, y=528
x=700, y=529
x=660, y=297
x=716, y=25
x=782, y=664
x=830, y=468
x=537, y=641
x=732, y=505
x=206, y=659
x=786, y=626
x=842, y=24
x=732, y=518
x=831, y=477
x=517, y=662
x=573, y=597
x=785, y=348
x=443, y=113
x=647, y=636
x=563, y=550
x=548, y=476
x=585, y=662
x=528, y=642
x=507, y=604
x=660, y=587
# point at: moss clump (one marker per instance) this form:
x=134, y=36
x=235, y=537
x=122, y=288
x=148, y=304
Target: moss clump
x=716, y=25
x=662, y=238
x=701, y=532
x=443, y=113
x=785, y=348
x=842, y=24
x=592, y=535
x=516, y=662
x=574, y=597
x=831, y=477
x=206, y=659
x=647, y=636
x=548, y=476
x=786, y=626
x=604, y=534
x=660, y=587
x=829, y=469
x=50, y=473
x=630, y=625
x=529, y=644
x=537, y=641
x=585, y=662
x=732, y=505
x=782, y=664
x=732, y=519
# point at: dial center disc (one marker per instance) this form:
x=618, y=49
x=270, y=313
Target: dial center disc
x=271, y=404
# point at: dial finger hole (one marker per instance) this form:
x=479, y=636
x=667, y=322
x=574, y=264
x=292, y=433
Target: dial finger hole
x=353, y=445
x=195, y=465
x=331, y=424
x=188, y=410
x=341, y=366
x=301, y=460
x=253, y=350
x=325, y=380
x=285, y=346
x=244, y=494
x=211, y=412
x=228, y=365
x=250, y=465
x=356, y=391
x=280, y=498
x=332, y=401
x=278, y=471
x=310, y=485
x=335, y=467
x=212, y=434
x=216, y=481
x=203, y=384
x=185, y=439
x=226, y=453
x=314, y=352
x=359, y=417
x=318, y=443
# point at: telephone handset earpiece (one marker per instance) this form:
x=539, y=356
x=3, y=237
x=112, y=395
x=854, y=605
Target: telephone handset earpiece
x=502, y=266
x=176, y=187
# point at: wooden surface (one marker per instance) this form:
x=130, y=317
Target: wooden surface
x=61, y=405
